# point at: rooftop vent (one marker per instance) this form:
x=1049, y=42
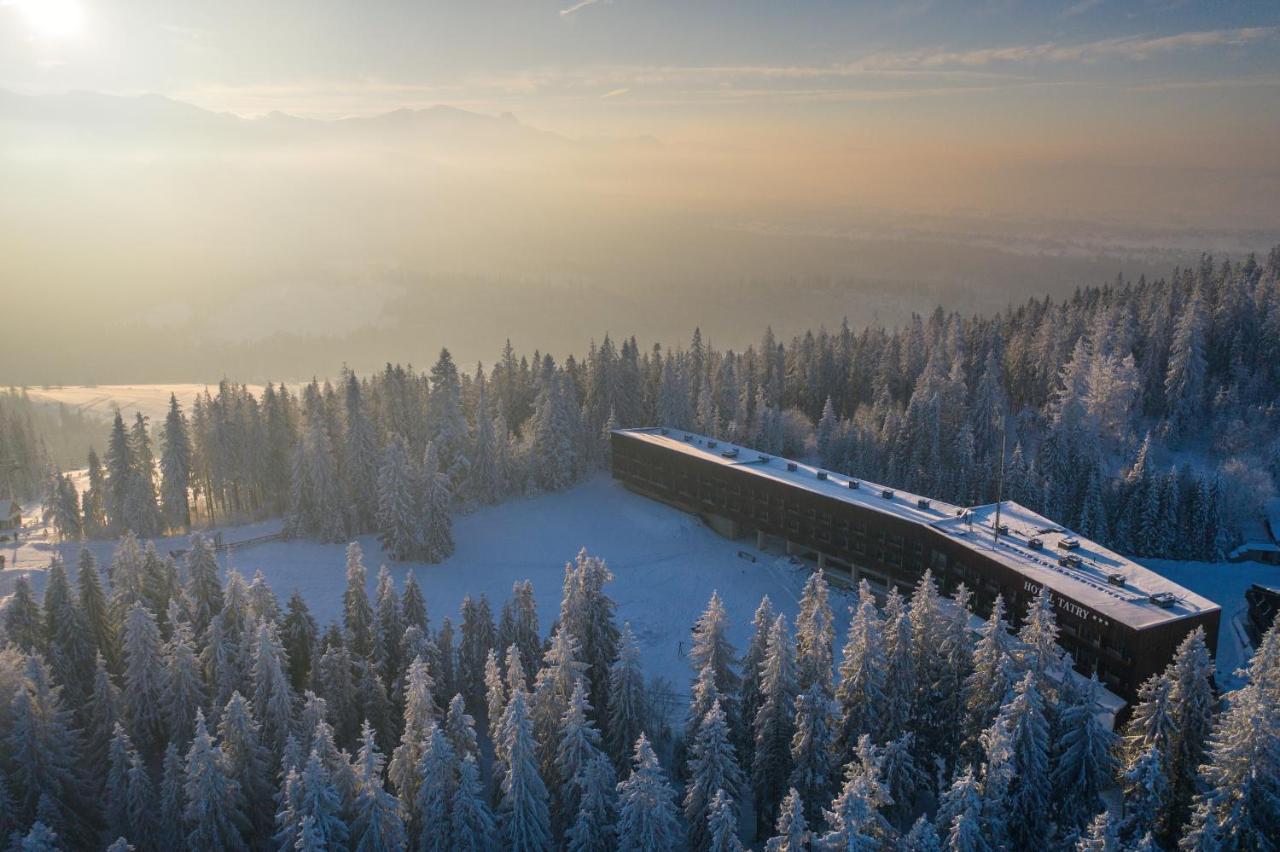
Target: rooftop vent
x=1003, y=529
x=1070, y=560
x=1069, y=543
x=712, y=445
x=1164, y=600
x=764, y=458
x=922, y=503
x=688, y=437
x=791, y=466
x=853, y=483
x=662, y=431
x=1035, y=543
x=730, y=453
x=887, y=493
x=1116, y=579
x=822, y=474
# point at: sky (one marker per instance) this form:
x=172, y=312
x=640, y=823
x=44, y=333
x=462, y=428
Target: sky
x=611, y=143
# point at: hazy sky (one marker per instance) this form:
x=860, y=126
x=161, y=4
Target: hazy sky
x=652, y=65
x=699, y=141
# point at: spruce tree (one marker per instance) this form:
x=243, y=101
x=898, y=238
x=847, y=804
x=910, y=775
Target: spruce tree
x=144, y=677
x=377, y=825
x=774, y=724
x=597, y=794
x=813, y=747
x=472, y=826
x=861, y=690
x=792, y=832
x=712, y=769
x=1084, y=762
x=357, y=614
x=524, y=819
x=626, y=697
x=646, y=810
x=215, y=804
x=175, y=468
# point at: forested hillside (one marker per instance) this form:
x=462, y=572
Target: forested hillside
x=1142, y=413
x=155, y=707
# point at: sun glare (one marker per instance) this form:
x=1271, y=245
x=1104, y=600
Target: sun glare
x=53, y=19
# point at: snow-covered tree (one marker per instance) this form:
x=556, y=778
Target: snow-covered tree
x=813, y=746
x=311, y=818
x=144, y=678
x=713, y=768
x=214, y=802
x=175, y=468
x=646, y=808
x=1084, y=760
x=1018, y=784
x=626, y=697
x=398, y=514
x=861, y=690
x=377, y=825
x=524, y=818
x=184, y=689
x=593, y=827
x=792, y=833
x=472, y=826
x=774, y=723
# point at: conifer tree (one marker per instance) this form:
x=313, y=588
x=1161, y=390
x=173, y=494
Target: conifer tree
x=169, y=830
x=1238, y=806
x=1192, y=702
x=175, y=468
x=646, y=810
x=312, y=815
x=774, y=724
x=144, y=677
x=398, y=514
x=247, y=762
x=360, y=459
x=430, y=810
x=1084, y=763
x=472, y=826
x=272, y=697
x=861, y=690
x=93, y=606
x=357, y=614
x=814, y=636
x=184, y=689
x=712, y=769
x=593, y=827
x=813, y=746
x=792, y=833
x=1017, y=745
x=722, y=825
x=900, y=672
x=435, y=528
x=377, y=825
x=23, y=620
x=203, y=587
x=626, y=697
x=854, y=819
x=299, y=633
x=388, y=629
x=524, y=819
x=214, y=802
x=752, y=660
x=579, y=743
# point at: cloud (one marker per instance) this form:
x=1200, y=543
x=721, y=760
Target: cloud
x=578, y=7
x=1134, y=48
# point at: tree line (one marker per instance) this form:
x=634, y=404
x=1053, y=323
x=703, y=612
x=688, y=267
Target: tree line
x=1143, y=414
x=155, y=706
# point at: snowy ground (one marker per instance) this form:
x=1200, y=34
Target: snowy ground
x=666, y=564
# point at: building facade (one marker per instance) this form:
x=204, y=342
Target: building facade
x=1117, y=618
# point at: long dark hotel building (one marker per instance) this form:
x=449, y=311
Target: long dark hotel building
x=1117, y=618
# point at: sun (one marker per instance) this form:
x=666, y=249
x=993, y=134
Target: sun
x=53, y=19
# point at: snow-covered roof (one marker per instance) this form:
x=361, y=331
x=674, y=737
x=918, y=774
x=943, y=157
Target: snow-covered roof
x=7, y=508
x=1089, y=582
